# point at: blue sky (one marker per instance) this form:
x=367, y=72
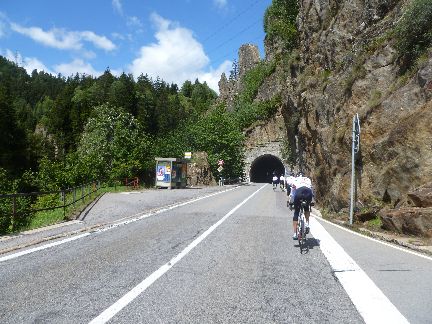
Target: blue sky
x=176, y=40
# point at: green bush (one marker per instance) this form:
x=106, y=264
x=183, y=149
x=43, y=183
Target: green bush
x=246, y=114
x=246, y=111
x=413, y=32
x=280, y=22
x=254, y=78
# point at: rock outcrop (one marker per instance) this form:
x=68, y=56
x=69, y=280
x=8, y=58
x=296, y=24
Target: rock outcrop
x=421, y=197
x=410, y=221
x=199, y=173
x=228, y=88
x=345, y=65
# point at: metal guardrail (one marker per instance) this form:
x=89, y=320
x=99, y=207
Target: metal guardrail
x=76, y=194
x=133, y=182
x=227, y=181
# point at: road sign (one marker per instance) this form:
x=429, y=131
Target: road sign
x=188, y=155
x=220, y=169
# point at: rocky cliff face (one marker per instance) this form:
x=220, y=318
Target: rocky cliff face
x=345, y=66
x=228, y=88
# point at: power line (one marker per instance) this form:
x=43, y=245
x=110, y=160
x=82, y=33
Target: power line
x=234, y=53
x=231, y=21
x=235, y=36
x=225, y=42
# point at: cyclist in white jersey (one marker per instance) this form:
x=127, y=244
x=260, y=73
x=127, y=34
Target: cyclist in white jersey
x=289, y=183
x=282, y=182
x=302, y=191
x=275, y=180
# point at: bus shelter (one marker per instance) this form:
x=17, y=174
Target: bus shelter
x=171, y=173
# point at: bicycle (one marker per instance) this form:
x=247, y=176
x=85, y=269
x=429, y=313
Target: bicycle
x=301, y=226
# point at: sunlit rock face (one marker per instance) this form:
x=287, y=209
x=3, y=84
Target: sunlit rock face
x=345, y=66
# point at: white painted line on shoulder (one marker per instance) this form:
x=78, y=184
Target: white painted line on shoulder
x=110, y=312
x=39, y=248
x=369, y=300
x=109, y=227
x=375, y=240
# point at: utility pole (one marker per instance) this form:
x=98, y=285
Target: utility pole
x=355, y=149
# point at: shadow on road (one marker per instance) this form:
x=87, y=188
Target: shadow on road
x=310, y=243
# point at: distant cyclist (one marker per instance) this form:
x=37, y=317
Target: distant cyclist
x=282, y=182
x=275, y=180
x=303, y=191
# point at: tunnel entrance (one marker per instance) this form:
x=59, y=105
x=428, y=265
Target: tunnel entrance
x=263, y=167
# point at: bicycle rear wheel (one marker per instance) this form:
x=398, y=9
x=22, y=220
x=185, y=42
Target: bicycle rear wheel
x=301, y=233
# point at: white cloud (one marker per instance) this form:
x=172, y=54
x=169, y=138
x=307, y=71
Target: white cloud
x=28, y=63
x=176, y=56
x=220, y=3
x=117, y=5
x=76, y=66
x=134, y=21
x=213, y=76
x=62, y=39
x=32, y=63
x=98, y=41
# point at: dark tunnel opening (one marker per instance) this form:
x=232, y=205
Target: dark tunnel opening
x=263, y=167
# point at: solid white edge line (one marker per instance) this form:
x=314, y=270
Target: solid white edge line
x=46, y=246
x=111, y=311
x=406, y=250
x=369, y=300
x=138, y=217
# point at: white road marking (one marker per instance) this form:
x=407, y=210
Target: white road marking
x=375, y=240
x=40, y=248
x=109, y=227
x=111, y=311
x=369, y=300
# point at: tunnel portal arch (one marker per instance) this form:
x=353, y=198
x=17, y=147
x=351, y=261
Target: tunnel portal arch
x=263, y=167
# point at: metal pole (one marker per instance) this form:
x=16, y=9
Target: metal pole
x=352, y=171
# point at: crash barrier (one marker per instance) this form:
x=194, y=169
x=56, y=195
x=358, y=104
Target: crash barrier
x=132, y=183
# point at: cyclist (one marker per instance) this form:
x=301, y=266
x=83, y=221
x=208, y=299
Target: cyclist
x=289, y=182
x=303, y=191
x=275, y=181
x=282, y=182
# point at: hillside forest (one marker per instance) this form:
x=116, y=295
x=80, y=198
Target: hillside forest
x=58, y=132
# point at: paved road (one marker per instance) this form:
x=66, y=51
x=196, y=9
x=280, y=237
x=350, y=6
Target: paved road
x=405, y=278
x=214, y=259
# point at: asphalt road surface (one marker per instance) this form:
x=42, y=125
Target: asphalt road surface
x=221, y=255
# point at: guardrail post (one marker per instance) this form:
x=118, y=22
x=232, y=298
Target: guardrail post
x=63, y=198
x=74, y=196
x=13, y=211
